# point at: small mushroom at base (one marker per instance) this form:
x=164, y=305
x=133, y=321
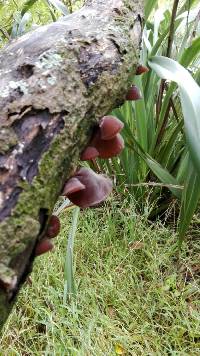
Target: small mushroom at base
x=89, y=153
x=53, y=227
x=43, y=246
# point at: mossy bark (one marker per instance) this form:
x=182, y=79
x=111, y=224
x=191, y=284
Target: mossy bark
x=55, y=84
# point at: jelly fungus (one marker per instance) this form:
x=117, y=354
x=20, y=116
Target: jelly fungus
x=53, y=227
x=133, y=93
x=72, y=186
x=43, y=246
x=110, y=126
x=141, y=69
x=94, y=188
x=89, y=153
x=106, y=142
x=109, y=148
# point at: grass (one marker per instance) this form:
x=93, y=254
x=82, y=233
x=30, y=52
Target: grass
x=134, y=295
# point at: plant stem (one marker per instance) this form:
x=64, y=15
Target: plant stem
x=155, y=184
x=95, y=165
x=168, y=54
x=171, y=29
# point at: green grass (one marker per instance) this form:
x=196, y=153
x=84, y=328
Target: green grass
x=130, y=301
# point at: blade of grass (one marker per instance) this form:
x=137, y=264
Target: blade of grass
x=27, y=5
x=69, y=284
x=141, y=118
x=22, y=24
x=149, y=6
x=60, y=6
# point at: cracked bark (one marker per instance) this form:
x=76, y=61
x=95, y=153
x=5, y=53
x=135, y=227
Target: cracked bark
x=55, y=84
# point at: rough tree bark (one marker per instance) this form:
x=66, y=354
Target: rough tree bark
x=55, y=84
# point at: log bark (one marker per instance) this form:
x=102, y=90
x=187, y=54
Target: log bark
x=55, y=84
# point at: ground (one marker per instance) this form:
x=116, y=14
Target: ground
x=136, y=295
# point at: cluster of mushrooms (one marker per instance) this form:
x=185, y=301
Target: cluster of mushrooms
x=87, y=188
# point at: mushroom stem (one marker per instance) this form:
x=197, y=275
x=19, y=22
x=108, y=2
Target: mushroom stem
x=95, y=165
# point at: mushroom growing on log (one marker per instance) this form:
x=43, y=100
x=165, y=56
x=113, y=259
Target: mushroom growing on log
x=56, y=82
x=106, y=142
x=87, y=188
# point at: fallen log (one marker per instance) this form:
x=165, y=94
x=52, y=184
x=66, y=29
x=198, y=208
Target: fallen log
x=56, y=82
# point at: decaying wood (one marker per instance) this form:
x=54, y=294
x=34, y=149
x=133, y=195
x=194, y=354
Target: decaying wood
x=55, y=84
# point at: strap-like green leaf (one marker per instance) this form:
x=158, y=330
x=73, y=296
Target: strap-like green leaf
x=59, y=6
x=149, y=6
x=190, y=199
x=28, y=4
x=169, y=69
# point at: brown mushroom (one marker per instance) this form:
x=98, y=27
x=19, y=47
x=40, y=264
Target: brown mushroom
x=110, y=126
x=106, y=141
x=134, y=93
x=89, y=153
x=43, y=246
x=141, y=69
x=73, y=185
x=53, y=227
x=94, y=188
x=109, y=148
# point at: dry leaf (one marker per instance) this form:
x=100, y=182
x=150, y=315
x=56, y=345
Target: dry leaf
x=136, y=245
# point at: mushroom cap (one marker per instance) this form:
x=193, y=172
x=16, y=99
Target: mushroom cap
x=43, y=246
x=53, y=227
x=97, y=188
x=106, y=141
x=109, y=148
x=89, y=153
x=134, y=93
x=109, y=127
x=141, y=69
x=72, y=186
